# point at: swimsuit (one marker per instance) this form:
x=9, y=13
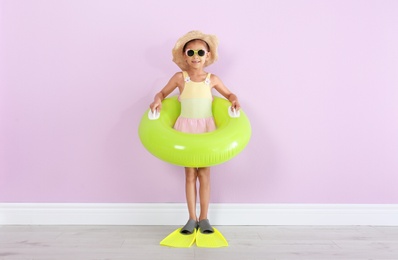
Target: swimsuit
x=196, y=107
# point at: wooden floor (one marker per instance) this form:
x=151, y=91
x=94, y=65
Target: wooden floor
x=245, y=242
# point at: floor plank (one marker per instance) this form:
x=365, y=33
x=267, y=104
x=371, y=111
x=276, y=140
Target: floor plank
x=245, y=242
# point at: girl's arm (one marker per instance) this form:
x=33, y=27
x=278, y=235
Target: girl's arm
x=170, y=86
x=223, y=90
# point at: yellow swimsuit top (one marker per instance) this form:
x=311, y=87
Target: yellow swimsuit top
x=196, y=98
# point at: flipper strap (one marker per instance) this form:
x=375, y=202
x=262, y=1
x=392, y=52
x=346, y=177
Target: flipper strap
x=189, y=227
x=205, y=227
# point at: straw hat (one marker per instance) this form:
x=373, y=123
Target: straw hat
x=178, y=54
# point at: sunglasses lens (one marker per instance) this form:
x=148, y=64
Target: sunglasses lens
x=201, y=53
x=190, y=53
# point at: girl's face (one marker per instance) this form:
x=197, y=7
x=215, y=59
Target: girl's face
x=196, y=54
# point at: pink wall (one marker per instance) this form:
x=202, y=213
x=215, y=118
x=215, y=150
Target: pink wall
x=318, y=80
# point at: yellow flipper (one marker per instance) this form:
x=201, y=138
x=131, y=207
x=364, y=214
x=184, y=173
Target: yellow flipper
x=213, y=240
x=176, y=239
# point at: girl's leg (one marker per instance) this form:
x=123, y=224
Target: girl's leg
x=204, y=191
x=191, y=175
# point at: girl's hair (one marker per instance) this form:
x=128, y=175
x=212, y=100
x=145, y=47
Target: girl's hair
x=185, y=45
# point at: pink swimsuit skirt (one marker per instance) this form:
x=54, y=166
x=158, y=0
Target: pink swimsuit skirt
x=195, y=125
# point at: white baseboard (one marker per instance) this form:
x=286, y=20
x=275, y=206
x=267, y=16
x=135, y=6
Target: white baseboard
x=176, y=214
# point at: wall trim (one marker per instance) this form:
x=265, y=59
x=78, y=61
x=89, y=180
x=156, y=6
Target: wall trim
x=176, y=214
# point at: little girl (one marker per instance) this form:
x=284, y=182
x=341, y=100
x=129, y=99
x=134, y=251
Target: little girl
x=192, y=53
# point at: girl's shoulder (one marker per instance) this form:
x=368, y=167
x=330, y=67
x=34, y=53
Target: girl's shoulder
x=178, y=79
x=214, y=79
x=213, y=76
x=178, y=75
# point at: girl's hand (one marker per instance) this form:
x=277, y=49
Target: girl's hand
x=235, y=105
x=156, y=106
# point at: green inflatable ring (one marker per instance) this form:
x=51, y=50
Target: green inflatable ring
x=195, y=150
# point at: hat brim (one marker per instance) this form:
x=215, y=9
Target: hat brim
x=178, y=54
